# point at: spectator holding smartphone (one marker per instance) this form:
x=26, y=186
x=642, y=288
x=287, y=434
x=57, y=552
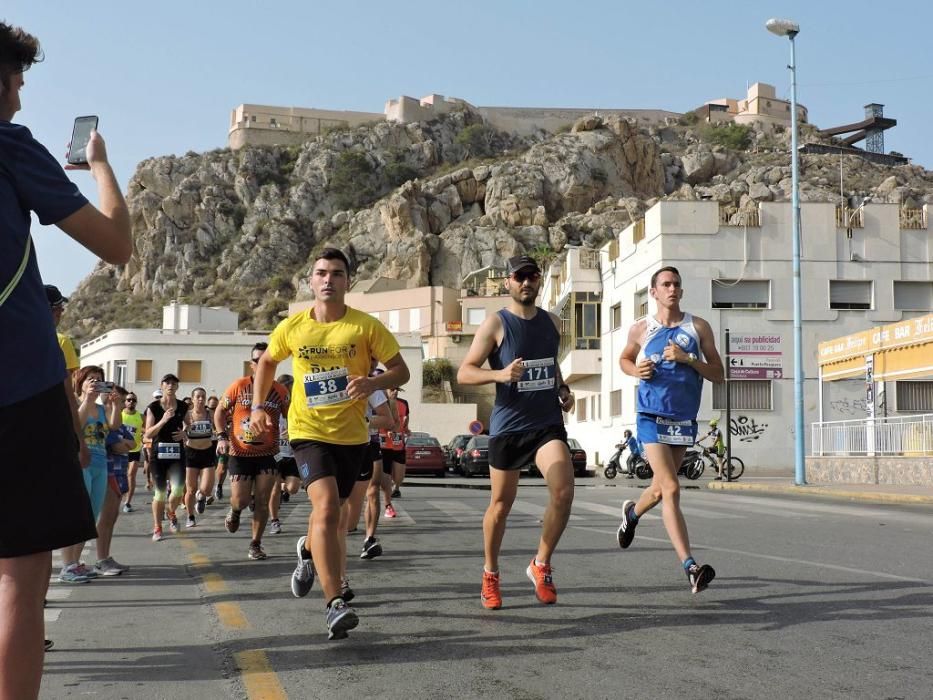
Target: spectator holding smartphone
x=37, y=407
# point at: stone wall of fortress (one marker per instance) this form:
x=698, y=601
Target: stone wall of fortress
x=528, y=120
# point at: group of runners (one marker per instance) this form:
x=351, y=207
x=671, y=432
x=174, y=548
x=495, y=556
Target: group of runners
x=90, y=431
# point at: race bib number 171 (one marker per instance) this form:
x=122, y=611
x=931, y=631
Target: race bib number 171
x=538, y=375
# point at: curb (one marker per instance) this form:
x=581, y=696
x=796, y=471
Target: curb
x=822, y=491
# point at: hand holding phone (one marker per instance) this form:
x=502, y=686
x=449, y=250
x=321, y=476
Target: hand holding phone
x=103, y=387
x=80, y=136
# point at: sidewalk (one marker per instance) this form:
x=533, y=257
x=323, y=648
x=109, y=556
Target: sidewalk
x=868, y=493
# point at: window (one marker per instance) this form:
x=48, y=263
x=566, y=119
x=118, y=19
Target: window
x=586, y=321
x=143, y=370
x=747, y=395
x=615, y=402
x=119, y=373
x=615, y=316
x=597, y=408
x=741, y=294
x=476, y=316
x=914, y=396
x=913, y=296
x=189, y=371
x=641, y=303
x=849, y=294
x=414, y=320
x=581, y=411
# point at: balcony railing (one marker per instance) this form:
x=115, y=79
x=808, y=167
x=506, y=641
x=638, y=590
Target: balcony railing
x=846, y=217
x=638, y=231
x=745, y=217
x=913, y=218
x=589, y=259
x=896, y=435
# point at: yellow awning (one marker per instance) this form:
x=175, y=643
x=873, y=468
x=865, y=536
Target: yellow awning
x=902, y=350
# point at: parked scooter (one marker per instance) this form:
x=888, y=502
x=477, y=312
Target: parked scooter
x=691, y=466
x=614, y=465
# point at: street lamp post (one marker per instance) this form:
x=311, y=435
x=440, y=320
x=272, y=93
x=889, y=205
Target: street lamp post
x=785, y=27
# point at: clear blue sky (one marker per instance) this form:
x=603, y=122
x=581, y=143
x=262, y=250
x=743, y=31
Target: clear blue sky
x=164, y=76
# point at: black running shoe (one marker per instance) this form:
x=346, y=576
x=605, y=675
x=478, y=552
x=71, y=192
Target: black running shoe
x=200, y=502
x=345, y=591
x=396, y=493
x=700, y=576
x=303, y=576
x=371, y=549
x=286, y=496
x=232, y=521
x=626, y=532
x=340, y=619
x=49, y=644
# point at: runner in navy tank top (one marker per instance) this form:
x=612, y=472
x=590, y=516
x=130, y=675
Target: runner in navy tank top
x=521, y=344
x=670, y=354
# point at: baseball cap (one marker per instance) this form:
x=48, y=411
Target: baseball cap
x=157, y=394
x=522, y=262
x=54, y=296
x=170, y=378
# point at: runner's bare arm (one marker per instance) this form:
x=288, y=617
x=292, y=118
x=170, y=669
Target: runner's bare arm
x=488, y=337
x=84, y=456
x=383, y=419
x=627, y=360
x=710, y=367
x=260, y=421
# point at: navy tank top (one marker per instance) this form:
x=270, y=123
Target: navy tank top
x=674, y=390
x=530, y=403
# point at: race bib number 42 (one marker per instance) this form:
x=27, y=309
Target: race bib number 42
x=675, y=432
x=324, y=388
x=538, y=375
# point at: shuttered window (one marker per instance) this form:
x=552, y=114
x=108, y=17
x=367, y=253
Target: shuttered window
x=741, y=294
x=849, y=294
x=747, y=395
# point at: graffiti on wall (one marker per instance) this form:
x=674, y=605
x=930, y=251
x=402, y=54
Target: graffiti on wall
x=849, y=407
x=747, y=429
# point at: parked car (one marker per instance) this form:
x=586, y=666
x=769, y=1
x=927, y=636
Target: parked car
x=424, y=454
x=577, y=457
x=475, y=458
x=453, y=451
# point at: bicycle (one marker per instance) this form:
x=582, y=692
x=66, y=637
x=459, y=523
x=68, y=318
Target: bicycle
x=708, y=458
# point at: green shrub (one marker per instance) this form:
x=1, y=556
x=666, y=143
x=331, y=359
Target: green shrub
x=733, y=136
x=353, y=182
x=434, y=372
x=477, y=139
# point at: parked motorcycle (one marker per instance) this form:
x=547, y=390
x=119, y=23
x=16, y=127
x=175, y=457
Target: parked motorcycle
x=691, y=466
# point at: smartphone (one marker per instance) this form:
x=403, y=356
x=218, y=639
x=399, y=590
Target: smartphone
x=80, y=135
x=103, y=387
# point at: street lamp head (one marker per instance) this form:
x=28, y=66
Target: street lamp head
x=782, y=27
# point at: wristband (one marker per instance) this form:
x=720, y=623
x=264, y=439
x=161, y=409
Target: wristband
x=256, y=407
x=223, y=436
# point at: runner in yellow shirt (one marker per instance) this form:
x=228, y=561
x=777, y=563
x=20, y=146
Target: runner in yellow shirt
x=332, y=346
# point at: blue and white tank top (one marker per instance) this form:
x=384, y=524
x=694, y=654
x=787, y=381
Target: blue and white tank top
x=675, y=388
x=376, y=399
x=530, y=403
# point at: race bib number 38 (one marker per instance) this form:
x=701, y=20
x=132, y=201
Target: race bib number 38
x=324, y=388
x=538, y=375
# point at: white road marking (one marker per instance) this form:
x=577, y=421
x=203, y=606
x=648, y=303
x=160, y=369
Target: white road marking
x=769, y=557
x=458, y=510
x=52, y=615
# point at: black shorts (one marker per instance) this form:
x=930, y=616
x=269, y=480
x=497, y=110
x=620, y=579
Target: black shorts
x=251, y=467
x=288, y=467
x=317, y=460
x=134, y=456
x=390, y=456
x=511, y=451
x=43, y=419
x=200, y=459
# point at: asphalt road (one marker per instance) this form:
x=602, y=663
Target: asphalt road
x=812, y=599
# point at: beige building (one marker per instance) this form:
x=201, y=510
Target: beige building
x=266, y=125
x=761, y=104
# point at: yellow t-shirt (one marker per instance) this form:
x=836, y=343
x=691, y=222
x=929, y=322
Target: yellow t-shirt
x=324, y=356
x=68, y=350
x=134, y=421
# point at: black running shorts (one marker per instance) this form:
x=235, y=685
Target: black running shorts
x=288, y=468
x=251, y=467
x=317, y=460
x=200, y=459
x=44, y=419
x=134, y=456
x=511, y=451
x=397, y=456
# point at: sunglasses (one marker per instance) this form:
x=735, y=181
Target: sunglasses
x=130, y=400
x=523, y=276
x=255, y=359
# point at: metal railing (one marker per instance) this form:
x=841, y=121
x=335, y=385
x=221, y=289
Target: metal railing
x=896, y=435
x=638, y=232
x=912, y=218
x=846, y=217
x=744, y=217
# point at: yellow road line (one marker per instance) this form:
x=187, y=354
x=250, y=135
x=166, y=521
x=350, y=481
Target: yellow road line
x=201, y=560
x=231, y=616
x=188, y=544
x=214, y=583
x=258, y=677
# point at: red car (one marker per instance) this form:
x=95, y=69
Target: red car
x=424, y=454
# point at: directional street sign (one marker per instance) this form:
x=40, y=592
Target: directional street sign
x=755, y=356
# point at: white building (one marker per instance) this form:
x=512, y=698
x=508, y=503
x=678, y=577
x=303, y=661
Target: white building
x=860, y=269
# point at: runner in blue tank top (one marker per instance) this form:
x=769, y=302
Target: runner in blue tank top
x=670, y=354
x=521, y=343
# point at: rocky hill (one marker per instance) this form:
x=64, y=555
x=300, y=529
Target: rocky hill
x=428, y=203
